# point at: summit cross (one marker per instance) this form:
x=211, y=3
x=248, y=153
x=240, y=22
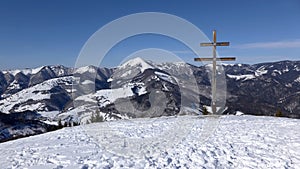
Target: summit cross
x=214, y=60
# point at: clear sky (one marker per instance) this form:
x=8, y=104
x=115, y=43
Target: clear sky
x=52, y=32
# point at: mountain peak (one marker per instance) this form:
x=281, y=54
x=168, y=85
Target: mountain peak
x=136, y=62
x=90, y=69
x=25, y=71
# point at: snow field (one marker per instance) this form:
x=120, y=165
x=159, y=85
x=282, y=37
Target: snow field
x=168, y=142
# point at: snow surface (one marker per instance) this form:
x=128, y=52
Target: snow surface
x=110, y=80
x=103, y=98
x=260, y=71
x=226, y=64
x=49, y=114
x=14, y=85
x=31, y=107
x=286, y=69
x=235, y=142
x=36, y=70
x=277, y=71
x=239, y=113
x=165, y=77
x=107, y=96
x=298, y=79
x=86, y=82
x=36, y=93
x=90, y=69
x=239, y=77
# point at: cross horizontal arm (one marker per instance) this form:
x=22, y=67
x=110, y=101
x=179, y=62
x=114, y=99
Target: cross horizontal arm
x=222, y=43
x=217, y=44
x=218, y=59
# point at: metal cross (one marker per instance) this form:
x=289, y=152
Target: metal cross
x=214, y=60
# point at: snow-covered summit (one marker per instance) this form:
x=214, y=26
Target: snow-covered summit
x=131, y=68
x=89, y=69
x=137, y=63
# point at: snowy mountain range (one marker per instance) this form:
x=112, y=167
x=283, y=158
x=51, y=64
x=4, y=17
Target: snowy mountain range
x=140, y=88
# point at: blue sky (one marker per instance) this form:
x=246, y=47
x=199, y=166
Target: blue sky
x=51, y=32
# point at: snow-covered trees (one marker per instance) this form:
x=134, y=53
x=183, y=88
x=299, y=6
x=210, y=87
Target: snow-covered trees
x=96, y=117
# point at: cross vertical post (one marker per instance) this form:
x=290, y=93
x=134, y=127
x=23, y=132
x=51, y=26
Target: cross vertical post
x=214, y=60
x=214, y=79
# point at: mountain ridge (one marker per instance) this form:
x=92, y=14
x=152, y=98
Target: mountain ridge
x=151, y=62
x=165, y=89
x=240, y=72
